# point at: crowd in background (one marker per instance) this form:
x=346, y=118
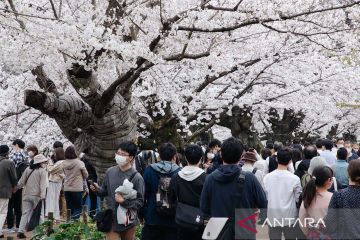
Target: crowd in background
x=179, y=196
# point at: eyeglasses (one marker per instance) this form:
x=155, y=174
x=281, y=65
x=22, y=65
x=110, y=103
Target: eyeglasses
x=123, y=154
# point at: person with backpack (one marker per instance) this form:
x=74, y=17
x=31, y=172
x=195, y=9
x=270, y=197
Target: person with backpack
x=229, y=188
x=309, y=153
x=316, y=199
x=21, y=161
x=91, y=178
x=283, y=184
x=115, y=177
x=34, y=181
x=159, y=213
x=7, y=184
x=186, y=187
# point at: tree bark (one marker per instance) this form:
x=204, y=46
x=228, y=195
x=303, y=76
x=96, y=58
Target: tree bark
x=100, y=136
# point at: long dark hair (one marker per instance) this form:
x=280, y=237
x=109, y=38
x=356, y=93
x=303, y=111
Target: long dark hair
x=320, y=175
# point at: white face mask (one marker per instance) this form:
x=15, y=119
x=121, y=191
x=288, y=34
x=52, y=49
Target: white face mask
x=340, y=146
x=120, y=160
x=31, y=154
x=210, y=155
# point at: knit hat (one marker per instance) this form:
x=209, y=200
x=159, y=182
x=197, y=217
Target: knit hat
x=249, y=156
x=4, y=149
x=40, y=159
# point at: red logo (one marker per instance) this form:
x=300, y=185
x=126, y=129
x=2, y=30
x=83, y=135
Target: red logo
x=251, y=218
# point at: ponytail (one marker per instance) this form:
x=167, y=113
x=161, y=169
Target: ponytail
x=321, y=174
x=309, y=192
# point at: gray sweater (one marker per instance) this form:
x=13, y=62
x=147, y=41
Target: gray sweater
x=7, y=176
x=114, y=178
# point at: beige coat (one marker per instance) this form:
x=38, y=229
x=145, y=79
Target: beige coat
x=75, y=175
x=34, y=184
x=56, y=172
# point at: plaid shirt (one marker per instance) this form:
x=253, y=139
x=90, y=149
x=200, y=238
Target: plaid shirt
x=17, y=158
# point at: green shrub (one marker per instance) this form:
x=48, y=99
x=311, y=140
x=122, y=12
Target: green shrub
x=68, y=231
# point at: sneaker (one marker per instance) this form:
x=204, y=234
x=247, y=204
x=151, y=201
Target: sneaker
x=8, y=230
x=21, y=235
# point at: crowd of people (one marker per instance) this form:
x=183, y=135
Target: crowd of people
x=182, y=196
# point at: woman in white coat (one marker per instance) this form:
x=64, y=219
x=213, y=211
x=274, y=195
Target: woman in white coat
x=56, y=178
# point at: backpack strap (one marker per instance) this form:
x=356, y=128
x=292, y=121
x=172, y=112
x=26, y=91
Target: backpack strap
x=254, y=170
x=132, y=176
x=240, y=186
x=28, y=177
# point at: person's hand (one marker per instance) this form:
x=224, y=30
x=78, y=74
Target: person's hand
x=119, y=198
x=94, y=187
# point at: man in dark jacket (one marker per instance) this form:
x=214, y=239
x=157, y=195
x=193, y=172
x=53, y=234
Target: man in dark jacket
x=7, y=184
x=159, y=226
x=186, y=187
x=92, y=178
x=214, y=149
x=223, y=191
x=309, y=153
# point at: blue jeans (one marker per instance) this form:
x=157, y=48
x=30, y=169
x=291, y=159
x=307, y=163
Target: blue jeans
x=74, y=203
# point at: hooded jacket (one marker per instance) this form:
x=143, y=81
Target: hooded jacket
x=7, y=176
x=151, y=178
x=75, y=175
x=222, y=194
x=187, y=184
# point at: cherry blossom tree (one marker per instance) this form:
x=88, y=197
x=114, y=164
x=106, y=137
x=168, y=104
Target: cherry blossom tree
x=106, y=70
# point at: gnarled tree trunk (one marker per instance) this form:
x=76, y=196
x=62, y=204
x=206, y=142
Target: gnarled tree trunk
x=85, y=122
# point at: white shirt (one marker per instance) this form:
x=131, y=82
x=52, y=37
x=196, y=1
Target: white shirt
x=282, y=190
x=266, y=169
x=329, y=157
x=259, y=174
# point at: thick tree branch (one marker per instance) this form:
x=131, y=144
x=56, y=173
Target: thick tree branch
x=85, y=84
x=267, y=20
x=43, y=81
x=69, y=112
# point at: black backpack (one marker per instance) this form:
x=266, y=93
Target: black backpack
x=104, y=220
x=21, y=167
x=163, y=201
x=273, y=164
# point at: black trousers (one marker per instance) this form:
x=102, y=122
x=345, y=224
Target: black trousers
x=14, y=210
x=158, y=233
x=186, y=234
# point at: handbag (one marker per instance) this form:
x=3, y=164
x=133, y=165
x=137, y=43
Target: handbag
x=104, y=220
x=188, y=216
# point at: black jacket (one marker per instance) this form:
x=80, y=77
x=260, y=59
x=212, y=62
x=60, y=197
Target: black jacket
x=187, y=192
x=223, y=193
x=302, y=168
x=90, y=169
